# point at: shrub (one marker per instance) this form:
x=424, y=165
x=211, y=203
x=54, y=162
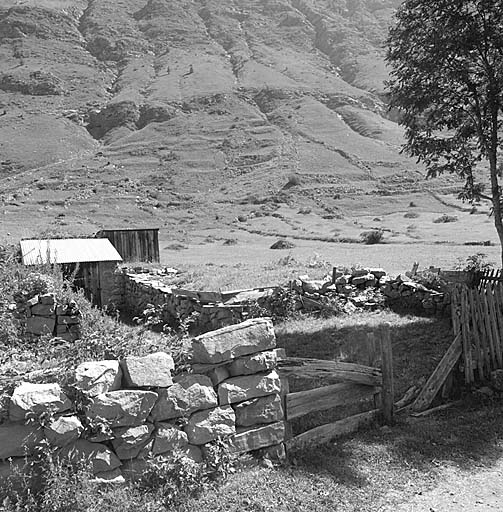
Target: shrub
x=443, y=219
x=294, y=180
x=411, y=215
x=373, y=236
x=474, y=263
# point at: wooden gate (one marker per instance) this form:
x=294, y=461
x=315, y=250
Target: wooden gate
x=356, y=383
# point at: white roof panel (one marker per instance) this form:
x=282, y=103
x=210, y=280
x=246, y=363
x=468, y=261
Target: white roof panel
x=68, y=250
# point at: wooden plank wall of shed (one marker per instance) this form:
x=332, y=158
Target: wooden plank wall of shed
x=135, y=245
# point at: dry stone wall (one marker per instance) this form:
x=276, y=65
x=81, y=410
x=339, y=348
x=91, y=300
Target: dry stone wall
x=45, y=315
x=368, y=288
x=117, y=414
x=345, y=291
x=142, y=289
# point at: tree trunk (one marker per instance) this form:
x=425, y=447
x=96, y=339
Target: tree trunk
x=496, y=199
x=493, y=165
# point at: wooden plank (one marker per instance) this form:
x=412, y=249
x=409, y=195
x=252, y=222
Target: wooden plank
x=465, y=338
x=320, y=368
x=475, y=332
x=387, y=393
x=497, y=325
x=436, y=409
x=326, y=433
x=285, y=390
x=437, y=378
x=372, y=349
x=326, y=397
x=488, y=325
x=484, y=336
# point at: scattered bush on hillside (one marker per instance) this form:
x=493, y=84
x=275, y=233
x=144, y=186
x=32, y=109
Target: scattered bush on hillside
x=411, y=215
x=293, y=181
x=282, y=244
x=443, y=219
x=371, y=237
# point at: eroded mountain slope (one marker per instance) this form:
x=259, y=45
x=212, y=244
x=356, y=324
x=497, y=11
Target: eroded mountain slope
x=179, y=112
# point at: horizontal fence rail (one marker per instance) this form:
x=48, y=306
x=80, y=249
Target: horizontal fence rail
x=360, y=384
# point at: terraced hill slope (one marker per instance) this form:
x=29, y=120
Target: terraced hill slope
x=248, y=118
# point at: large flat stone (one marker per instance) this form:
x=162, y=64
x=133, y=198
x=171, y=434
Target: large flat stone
x=168, y=438
x=253, y=438
x=101, y=458
x=129, y=441
x=124, y=408
x=63, y=430
x=206, y=426
x=18, y=440
x=248, y=365
x=239, y=389
x=95, y=377
x=37, y=398
x=249, y=337
x=266, y=409
x=189, y=394
x=218, y=374
x=40, y=325
x=43, y=309
x=153, y=370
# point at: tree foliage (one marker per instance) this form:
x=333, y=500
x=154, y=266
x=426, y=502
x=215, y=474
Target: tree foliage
x=446, y=58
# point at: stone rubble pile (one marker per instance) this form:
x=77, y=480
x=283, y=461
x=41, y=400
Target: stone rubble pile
x=367, y=288
x=45, y=315
x=406, y=293
x=137, y=408
x=344, y=291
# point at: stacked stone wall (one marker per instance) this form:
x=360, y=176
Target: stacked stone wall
x=118, y=414
x=45, y=315
x=140, y=290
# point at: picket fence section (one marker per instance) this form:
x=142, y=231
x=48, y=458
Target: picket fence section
x=477, y=318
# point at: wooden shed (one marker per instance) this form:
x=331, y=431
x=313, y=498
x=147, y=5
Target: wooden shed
x=91, y=261
x=134, y=244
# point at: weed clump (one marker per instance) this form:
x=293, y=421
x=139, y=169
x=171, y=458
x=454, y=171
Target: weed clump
x=443, y=219
x=371, y=237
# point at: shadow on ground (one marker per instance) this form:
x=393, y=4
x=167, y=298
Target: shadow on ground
x=467, y=436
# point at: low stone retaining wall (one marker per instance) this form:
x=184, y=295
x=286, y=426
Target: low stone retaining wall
x=117, y=414
x=345, y=291
x=211, y=310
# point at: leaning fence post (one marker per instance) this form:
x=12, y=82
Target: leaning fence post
x=387, y=374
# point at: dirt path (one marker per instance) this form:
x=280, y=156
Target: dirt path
x=478, y=490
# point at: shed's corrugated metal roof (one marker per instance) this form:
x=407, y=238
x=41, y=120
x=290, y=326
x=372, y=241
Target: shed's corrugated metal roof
x=69, y=250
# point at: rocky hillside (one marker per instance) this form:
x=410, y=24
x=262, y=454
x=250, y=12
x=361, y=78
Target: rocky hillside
x=171, y=111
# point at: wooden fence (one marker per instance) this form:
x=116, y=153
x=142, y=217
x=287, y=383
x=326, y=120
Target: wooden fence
x=490, y=276
x=477, y=319
x=357, y=383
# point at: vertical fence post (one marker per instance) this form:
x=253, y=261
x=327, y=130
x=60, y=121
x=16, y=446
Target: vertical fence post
x=387, y=374
x=285, y=389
